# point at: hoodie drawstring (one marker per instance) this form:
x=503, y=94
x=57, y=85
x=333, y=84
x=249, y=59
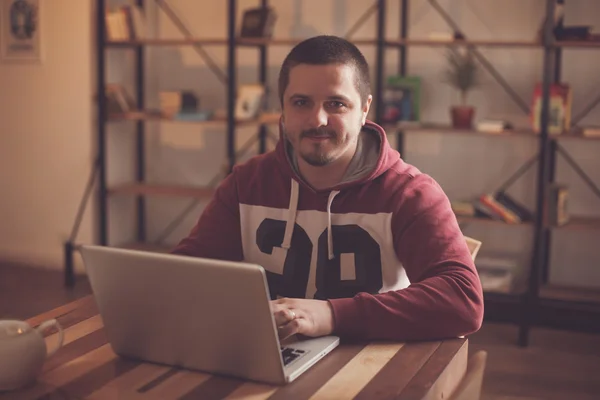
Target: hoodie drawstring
x=291, y=219
x=329, y=234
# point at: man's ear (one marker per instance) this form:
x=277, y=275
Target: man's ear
x=366, y=108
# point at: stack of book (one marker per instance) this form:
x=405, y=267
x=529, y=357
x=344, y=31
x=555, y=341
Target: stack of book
x=499, y=272
x=497, y=206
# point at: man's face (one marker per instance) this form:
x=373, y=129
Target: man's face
x=322, y=112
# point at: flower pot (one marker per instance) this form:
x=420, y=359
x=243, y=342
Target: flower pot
x=462, y=117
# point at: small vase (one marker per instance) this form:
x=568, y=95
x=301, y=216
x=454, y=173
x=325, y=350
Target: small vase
x=462, y=117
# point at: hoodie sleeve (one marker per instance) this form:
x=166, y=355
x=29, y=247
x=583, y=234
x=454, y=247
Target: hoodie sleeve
x=217, y=233
x=445, y=298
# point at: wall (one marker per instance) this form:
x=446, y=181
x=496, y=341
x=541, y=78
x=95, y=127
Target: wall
x=46, y=141
x=50, y=106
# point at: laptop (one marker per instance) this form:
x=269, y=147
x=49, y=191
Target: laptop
x=194, y=313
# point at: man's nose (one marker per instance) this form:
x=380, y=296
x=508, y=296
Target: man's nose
x=318, y=117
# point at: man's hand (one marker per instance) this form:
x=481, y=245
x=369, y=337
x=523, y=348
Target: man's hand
x=302, y=316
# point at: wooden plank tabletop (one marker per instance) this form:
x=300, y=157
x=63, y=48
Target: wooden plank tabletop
x=86, y=367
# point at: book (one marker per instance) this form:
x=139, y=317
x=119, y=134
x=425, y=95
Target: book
x=135, y=21
x=497, y=272
x=125, y=23
x=483, y=211
x=520, y=210
x=118, y=100
x=559, y=109
x=178, y=101
x=557, y=213
x=590, y=131
x=193, y=116
x=116, y=26
x=493, y=125
x=506, y=214
x=402, y=99
x=463, y=208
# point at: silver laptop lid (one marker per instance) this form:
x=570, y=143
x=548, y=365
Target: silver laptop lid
x=194, y=313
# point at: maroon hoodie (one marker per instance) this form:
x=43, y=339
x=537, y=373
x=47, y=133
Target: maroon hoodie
x=383, y=247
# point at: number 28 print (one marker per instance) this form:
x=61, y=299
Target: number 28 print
x=364, y=260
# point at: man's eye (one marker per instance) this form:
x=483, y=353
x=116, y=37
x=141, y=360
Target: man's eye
x=336, y=104
x=300, y=102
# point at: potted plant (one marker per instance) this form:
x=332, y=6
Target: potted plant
x=462, y=74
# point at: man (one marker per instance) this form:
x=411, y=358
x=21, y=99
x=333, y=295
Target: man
x=355, y=241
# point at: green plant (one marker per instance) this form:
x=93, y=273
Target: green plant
x=462, y=72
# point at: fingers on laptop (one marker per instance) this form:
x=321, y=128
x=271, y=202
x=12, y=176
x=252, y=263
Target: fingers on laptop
x=287, y=318
x=282, y=317
x=291, y=328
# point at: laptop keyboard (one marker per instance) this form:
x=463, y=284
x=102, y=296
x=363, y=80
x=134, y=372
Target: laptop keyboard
x=290, y=354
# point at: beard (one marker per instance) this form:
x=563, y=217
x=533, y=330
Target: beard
x=321, y=153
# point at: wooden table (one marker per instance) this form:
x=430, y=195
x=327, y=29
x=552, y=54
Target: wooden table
x=86, y=367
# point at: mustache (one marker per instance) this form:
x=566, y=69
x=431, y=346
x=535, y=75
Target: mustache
x=319, y=132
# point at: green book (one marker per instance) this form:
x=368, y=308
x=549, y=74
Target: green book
x=402, y=99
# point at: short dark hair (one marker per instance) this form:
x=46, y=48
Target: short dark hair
x=327, y=49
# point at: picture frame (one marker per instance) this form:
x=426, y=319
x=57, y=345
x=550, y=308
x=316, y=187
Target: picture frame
x=249, y=101
x=20, y=33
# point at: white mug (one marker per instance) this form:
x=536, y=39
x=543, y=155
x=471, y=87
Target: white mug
x=23, y=352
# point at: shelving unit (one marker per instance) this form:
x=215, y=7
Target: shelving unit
x=141, y=189
x=538, y=303
x=533, y=305
x=562, y=306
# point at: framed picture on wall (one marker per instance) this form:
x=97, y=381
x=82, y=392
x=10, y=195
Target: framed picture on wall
x=20, y=35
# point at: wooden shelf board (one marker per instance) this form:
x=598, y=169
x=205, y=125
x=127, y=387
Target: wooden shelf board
x=581, y=223
x=396, y=42
x=267, y=118
x=161, y=190
x=558, y=292
x=447, y=129
x=147, y=116
x=464, y=219
x=167, y=42
x=578, y=43
x=290, y=41
x=573, y=136
x=576, y=222
x=498, y=296
x=479, y=43
x=266, y=42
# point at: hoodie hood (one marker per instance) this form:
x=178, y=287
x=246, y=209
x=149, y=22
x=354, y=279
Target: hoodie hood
x=374, y=156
